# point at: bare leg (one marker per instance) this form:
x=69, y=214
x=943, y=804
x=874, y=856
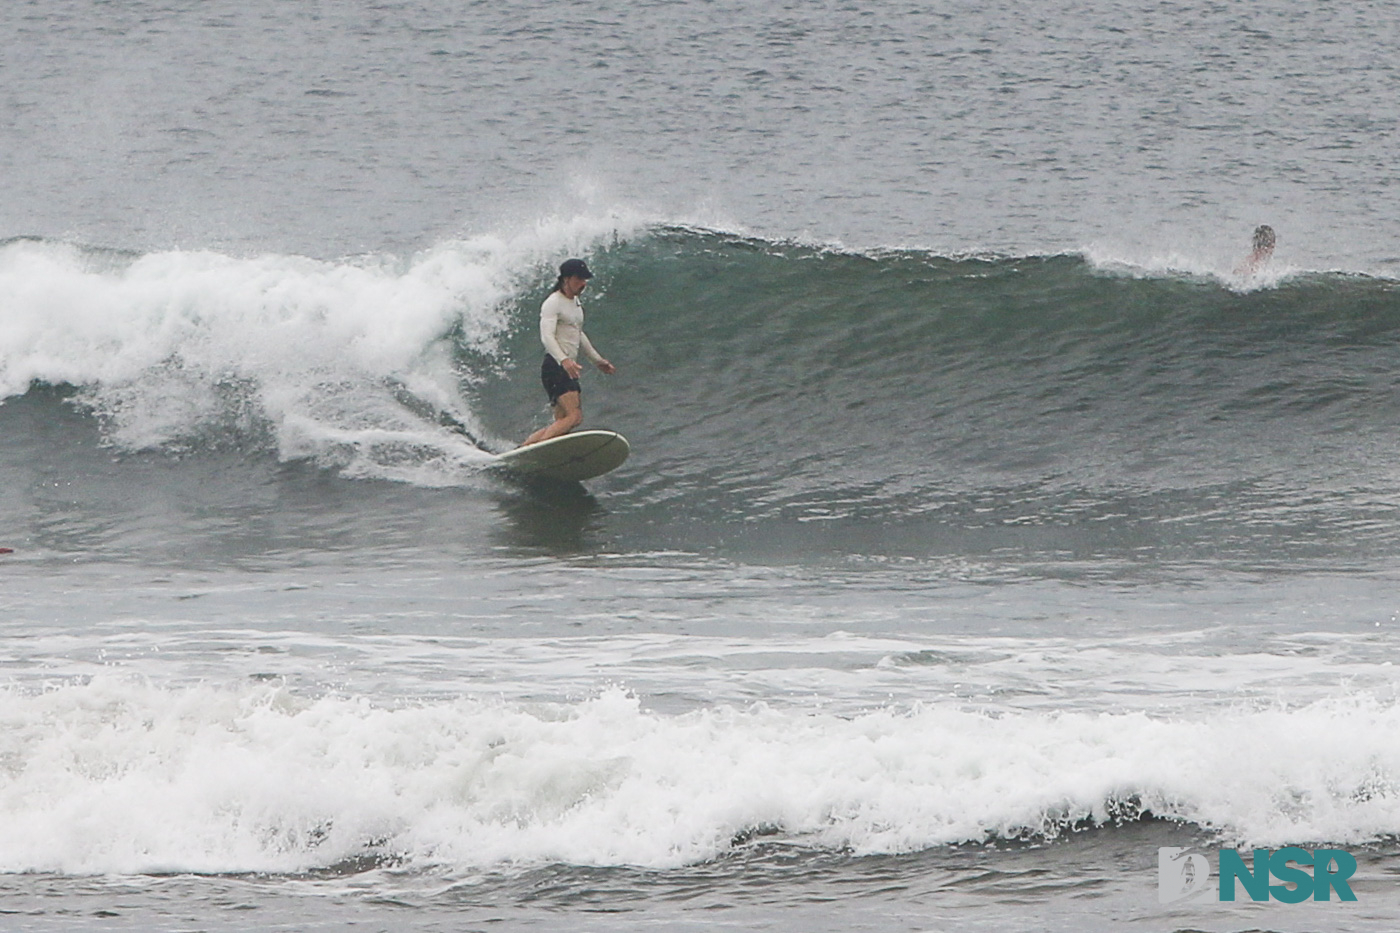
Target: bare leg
x=568, y=414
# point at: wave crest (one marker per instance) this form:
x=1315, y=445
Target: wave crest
x=336, y=361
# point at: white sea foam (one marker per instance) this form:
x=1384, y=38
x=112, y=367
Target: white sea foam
x=177, y=345
x=1225, y=271
x=124, y=776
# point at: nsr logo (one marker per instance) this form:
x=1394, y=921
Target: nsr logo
x=1181, y=875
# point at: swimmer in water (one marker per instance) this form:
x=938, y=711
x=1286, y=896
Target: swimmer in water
x=1263, y=251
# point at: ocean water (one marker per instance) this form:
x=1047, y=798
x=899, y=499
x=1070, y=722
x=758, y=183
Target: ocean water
x=986, y=528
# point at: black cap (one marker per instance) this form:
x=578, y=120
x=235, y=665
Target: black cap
x=575, y=267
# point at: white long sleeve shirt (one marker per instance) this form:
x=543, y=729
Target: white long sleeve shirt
x=561, y=329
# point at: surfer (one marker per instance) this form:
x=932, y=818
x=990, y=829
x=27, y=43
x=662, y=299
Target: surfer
x=561, y=330
x=1263, y=250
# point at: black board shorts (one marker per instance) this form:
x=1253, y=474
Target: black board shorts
x=556, y=381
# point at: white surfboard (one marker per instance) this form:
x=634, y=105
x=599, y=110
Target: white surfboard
x=570, y=457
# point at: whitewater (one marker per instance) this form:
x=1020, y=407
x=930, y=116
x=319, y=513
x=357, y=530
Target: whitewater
x=987, y=528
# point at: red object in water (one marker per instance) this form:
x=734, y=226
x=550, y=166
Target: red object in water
x=7, y=550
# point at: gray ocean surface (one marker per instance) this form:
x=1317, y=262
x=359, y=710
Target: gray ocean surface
x=988, y=527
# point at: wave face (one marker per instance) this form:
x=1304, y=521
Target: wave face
x=779, y=394
x=900, y=393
